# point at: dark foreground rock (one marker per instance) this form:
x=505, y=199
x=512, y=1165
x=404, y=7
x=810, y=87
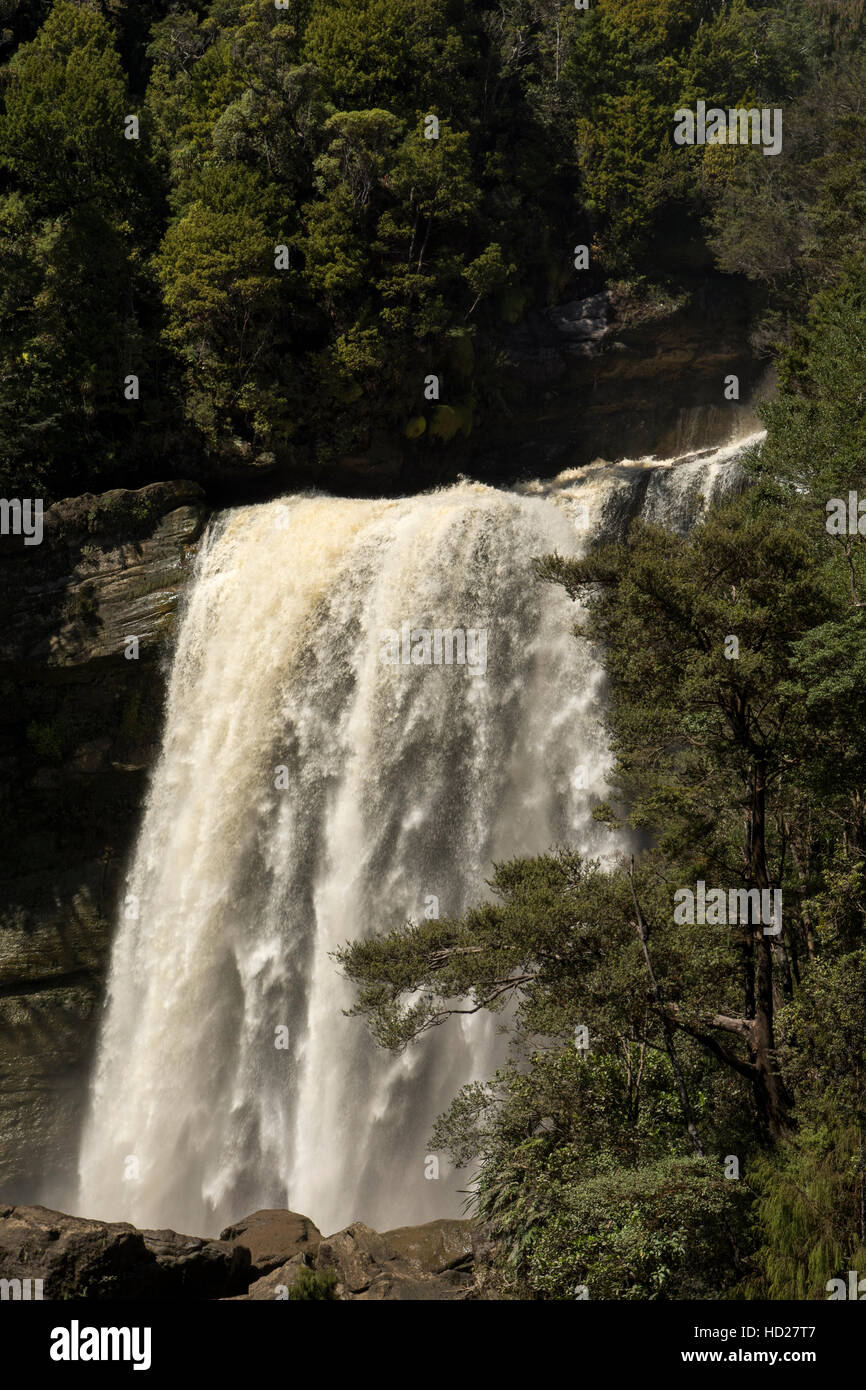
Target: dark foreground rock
x=262, y=1257
x=77, y=1258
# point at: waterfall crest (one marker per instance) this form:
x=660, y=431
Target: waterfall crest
x=309, y=792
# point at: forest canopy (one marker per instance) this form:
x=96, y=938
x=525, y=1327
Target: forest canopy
x=280, y=255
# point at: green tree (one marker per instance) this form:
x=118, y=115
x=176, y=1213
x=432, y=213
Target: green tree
x=62, y=131
x=401, y=54
x=229, y=311
x=77, y=305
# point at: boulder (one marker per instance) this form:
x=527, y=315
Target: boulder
x=434, y=1247
x=195, y=1267
x=370, y=1269
x=78, y=1258
x=357, y=1255
x=273, y=1238
x=274, y=1285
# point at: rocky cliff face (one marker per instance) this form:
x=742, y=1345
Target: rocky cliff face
x=268, y=1256
x=616, y=376
x=79, y=723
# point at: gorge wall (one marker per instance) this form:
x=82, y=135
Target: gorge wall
x=79, y=725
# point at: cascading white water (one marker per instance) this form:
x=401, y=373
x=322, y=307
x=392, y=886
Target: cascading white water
x=309, y=792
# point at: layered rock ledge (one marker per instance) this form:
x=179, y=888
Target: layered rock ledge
x=79, y=729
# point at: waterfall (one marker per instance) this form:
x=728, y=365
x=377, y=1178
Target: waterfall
x=309, y=792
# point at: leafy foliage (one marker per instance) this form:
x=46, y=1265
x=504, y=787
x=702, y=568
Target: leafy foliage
x=314, y=1286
